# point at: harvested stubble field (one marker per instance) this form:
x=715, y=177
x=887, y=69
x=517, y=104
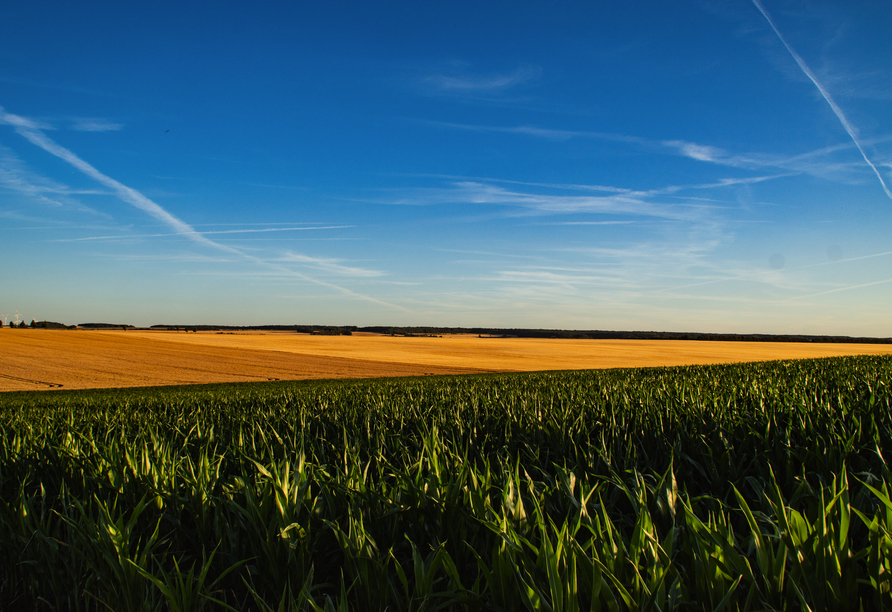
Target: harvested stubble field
x=53, y=359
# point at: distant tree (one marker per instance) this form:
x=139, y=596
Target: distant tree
x=33, y=324
x=46, y=324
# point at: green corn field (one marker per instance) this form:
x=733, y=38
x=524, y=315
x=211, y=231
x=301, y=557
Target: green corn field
x=735, y=487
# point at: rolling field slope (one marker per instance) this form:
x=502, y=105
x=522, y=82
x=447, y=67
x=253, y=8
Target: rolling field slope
x=48, y=359
x=738, y=487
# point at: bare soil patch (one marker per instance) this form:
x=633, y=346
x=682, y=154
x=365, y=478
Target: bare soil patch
x=47, y=359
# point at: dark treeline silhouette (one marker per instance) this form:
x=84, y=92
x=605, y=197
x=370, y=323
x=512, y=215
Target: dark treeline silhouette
x=39, y=325
x=105, y=326
x=331, y=330
x=50, y=325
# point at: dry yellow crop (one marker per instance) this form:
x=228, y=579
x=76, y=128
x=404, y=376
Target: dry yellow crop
x=45, y=359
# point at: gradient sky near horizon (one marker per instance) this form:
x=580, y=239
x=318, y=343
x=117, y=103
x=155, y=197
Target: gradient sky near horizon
x=687, y=166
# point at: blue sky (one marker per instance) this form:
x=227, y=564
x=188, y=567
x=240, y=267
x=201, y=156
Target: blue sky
x=688, y=166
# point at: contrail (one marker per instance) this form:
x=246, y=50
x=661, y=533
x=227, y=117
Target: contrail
x=239, y=231
x=31, y=131
x=836, y=110
x=129, y=195
x=800, y=297
x=761, y=272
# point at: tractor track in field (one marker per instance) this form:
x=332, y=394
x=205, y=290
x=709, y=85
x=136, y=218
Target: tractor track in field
x=31, y=381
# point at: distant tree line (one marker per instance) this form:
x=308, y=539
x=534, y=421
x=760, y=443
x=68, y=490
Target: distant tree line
x=39, y=325
x=428, y=331
x=331, y=330
x=319, y=330
x=105, y=326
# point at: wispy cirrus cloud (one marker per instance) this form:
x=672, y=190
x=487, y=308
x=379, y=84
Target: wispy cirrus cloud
x=666, y=190
x=653, y=258
x=331, y=265
x=568, y=278
x=460, y=82
x=539, y=132
x=864, y=84
x=31, y=131
x=16, y=176
x=592, y=273
x=17, y=121
x=832, y=162
x=88, y=124
x=589, y=223
x=847, y=126
x=262, y=230
x=620, y=203
x=697, y=151
x=79, y=124
x=125, y=193
x=839, y=289
x=681, y=232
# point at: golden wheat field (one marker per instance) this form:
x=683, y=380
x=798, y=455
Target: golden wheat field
x=69, y=359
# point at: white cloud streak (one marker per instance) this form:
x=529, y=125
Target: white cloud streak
x=87, y=124
x=849, y=128
x=463, y=84
x=815, y=163
x=205, y=233
x=127, y=194
x=697, y=151
x=622, y=203
x=31, y=131
x=765, y=275
x=589, y=223
x=549, y=277
x=667, y=190
x=539, y=132
x=837, y=290
x=21, y=122
x=332, y=266
x=15, y=176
